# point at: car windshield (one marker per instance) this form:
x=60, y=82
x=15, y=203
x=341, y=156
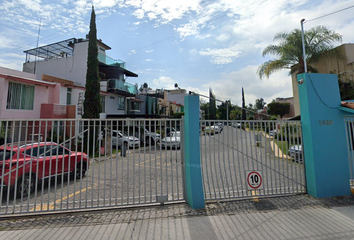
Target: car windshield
x=123, y=134
x=5, y=153
x=174, y=134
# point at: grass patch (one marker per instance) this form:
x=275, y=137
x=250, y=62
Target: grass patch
x=282, y=145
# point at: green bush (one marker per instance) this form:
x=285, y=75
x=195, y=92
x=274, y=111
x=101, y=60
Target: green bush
x=290, y=133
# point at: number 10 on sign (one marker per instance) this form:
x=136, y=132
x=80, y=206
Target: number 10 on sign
x=254, y=180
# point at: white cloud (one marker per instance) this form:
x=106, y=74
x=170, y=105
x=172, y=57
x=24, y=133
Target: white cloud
x=221, y=55
x=149, y=60
x=163, y=82
x=149, y=51
x=223, y=37
x=229, y=86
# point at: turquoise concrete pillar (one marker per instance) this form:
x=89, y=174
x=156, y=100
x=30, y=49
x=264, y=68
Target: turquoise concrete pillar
x=193, y=171
x=324, y=139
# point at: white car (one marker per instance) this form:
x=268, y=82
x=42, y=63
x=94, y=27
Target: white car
x=212, y=130
x=151, y=137
x=173, y=140
x=120, y=139
x=295, y=152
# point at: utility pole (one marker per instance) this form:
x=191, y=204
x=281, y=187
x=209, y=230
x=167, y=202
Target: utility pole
x=35, y=59
x=303, y=44
x=227, y=110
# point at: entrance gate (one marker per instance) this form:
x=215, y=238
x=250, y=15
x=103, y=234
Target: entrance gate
x=130, y=162
x=230, y=150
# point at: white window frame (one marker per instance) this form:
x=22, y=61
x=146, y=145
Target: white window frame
x=121, y=103
x=18, y=98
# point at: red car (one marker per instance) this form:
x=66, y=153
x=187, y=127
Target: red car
x=24, y=165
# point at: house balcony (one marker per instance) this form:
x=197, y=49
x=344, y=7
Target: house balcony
x=121, y=87
x=103, y=58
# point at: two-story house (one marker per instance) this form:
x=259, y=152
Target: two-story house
x=66, y=62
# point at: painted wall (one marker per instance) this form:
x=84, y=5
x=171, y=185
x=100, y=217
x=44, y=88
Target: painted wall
x=324, y=139
x=70, y=68
x=176, y=96
x=41, y=95
x=112, y=105
x=344, y=67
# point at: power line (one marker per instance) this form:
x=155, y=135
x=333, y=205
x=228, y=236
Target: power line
x=329, y=14
x=235, y=105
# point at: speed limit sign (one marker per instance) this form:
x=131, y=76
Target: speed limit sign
x=254, y=180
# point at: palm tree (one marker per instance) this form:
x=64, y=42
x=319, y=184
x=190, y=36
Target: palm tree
x=318, y=44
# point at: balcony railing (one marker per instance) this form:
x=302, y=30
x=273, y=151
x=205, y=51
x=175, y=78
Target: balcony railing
x=110, y=61
x=117, y=84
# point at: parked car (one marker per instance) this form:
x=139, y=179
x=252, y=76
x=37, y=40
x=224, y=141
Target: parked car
x=151, y=137
x=273, y=133
x=166, y=130
x=173, y=140
x=210, y=130
x=30, y=163
x=120, y=139
x=220, y=125
x=236, y=125
x=295, y=152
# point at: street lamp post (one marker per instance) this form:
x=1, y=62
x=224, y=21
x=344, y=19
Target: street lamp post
x=303, y=44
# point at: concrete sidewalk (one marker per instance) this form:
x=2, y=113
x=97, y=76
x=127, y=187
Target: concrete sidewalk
x=292, y=217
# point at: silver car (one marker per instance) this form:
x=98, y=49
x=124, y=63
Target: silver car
x=173, y=140
x=295, y=152
x=120, y=139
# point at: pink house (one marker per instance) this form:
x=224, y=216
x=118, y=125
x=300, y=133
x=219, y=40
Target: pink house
x=25, y=99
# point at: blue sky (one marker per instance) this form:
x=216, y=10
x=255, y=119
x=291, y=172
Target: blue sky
x=196, y=44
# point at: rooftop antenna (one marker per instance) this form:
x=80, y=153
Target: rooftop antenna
x=35, y=58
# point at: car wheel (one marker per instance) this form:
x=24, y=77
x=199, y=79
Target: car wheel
x=80, y=170
x=26, y=185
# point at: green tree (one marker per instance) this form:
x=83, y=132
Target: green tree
x=235, y=114
x=212, y=105
x=260, y=103
x=278, y=109
x=243, y=106
x=318, y=44
x=204, y=106
x=92, y=102
x=223, y=109
x=346, y=89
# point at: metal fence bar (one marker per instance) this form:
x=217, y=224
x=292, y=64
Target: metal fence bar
x=349, y=128
x=147, y=170
x=248, y=147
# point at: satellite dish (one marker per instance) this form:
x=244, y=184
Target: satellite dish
x=176, y=85
x=145, y=85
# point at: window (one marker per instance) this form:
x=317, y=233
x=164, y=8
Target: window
x=68, y=96
x=59, y=150
x=121, y=103
x=33, y=151
x=20, y=96
x=135, y=106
